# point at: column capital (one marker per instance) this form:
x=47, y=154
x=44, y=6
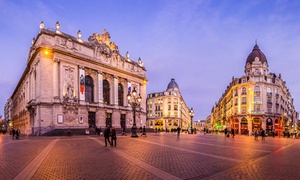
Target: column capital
x=56, y=60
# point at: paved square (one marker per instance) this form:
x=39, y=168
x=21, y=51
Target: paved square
x=157, y=156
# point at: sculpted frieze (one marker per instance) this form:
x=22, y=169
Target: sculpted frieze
x=68, y=43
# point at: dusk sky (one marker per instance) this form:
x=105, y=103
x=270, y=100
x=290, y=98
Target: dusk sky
x=200, y=43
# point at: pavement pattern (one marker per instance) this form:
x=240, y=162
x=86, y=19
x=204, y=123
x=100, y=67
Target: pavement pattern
x=157, y=156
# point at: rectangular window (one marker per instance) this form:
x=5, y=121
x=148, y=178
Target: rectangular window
x=243, y=110
x=244, y=100
x=175, y=107
x=256, y=108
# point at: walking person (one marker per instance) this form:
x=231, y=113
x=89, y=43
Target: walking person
x=256, y=135
x=17, y=133
x=178, y=131
x=13, y=133
x=232, y=133
x=263, y=135
x=69, y=132
x=144, y=132
x=124, y=131
x=113, y=137
x=225, y=132
x=106, y=135
x=100, y=131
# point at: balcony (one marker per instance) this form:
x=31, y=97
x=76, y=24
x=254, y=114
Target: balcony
x=269, y=94
x=257, y=92
x=257, y=112
x=257, y=102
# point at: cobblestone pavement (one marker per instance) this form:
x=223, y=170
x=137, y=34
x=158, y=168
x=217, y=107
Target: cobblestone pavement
x=157, y=156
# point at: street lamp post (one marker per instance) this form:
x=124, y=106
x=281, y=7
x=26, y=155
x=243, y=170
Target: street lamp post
x=191, y=112
x=134, y=101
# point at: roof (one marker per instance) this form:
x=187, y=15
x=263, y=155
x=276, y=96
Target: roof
x=256, y=52
x=172, y=84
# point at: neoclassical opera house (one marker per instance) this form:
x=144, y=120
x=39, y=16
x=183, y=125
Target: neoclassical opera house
x=258, y=100
x=72, y=83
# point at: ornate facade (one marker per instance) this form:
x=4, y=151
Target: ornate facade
x=258, y=100
x=70, y=82
x=167, y=110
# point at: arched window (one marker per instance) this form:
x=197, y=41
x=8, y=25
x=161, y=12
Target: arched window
x=257, y=90
x=106, y=92
x=89, y=89
x=120, y=95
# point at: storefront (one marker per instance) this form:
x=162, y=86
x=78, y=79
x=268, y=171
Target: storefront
x=244, y=126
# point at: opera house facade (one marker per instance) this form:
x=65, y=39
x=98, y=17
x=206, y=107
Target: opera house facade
x=73, y=83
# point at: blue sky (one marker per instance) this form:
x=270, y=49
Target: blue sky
x=200, y=43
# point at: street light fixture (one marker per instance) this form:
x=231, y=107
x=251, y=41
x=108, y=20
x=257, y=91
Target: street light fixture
x=192, y=113
x=134, y=101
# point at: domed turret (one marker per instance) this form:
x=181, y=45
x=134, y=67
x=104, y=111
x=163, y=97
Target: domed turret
x=173, y=84
x=256, y=53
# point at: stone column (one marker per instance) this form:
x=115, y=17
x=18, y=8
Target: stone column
x=100, y=87
x=55, y=79
x=116, y=81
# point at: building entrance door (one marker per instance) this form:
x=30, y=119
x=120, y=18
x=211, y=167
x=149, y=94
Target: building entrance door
x=123, y=121
x=108, y=121
x=92, y=120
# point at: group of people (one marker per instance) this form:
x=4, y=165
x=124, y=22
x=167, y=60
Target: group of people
x=257, y=133
x=110, y=133
x=15, y=133
x=227, y=132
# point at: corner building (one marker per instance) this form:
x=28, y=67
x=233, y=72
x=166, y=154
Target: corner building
x=258, y=100
x=70, y=82
x=167, y=110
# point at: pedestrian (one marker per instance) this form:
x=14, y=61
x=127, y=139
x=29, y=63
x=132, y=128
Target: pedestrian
x=13, y=133
x=178, y=131
x=232, y=133
x=263, y=134
x=17, y=133
x=69, y=132
x=106, y=135
x=225, y=132
x=124, y=132
x=100, y=131
x=256, y=135
x=113, y=137
x=144, y=132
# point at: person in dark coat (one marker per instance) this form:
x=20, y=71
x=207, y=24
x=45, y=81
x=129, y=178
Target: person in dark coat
x=17, y=133
x=69, y=132
x=13, y=133
x=225, y=132
x=263, y=135
x=178, y=131
x=232, y=132
x=113, y=137
x=106, y=135
x=144, y=132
